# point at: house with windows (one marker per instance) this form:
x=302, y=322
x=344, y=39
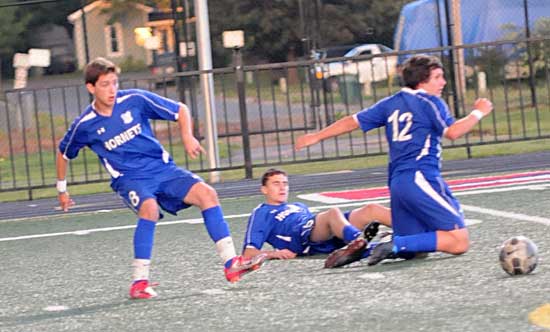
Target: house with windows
x=96, y=35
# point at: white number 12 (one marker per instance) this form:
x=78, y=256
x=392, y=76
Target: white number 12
x=403, y=135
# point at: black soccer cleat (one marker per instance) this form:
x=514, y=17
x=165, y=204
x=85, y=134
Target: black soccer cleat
x=380, y=252
x=347, y=255
x=370, y=231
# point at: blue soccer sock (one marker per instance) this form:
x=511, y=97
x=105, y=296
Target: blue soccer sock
x=219, y=233
x=143, y=238
x=350, y=233
x=215, y=223
x=422, y=242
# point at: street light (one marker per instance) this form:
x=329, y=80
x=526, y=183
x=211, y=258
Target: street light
x=235, y=39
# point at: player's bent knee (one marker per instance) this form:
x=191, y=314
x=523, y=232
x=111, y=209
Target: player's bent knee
x=203, y=196
x=210, y=193
x=334, y=212
x=149, y=210
x=368, y=209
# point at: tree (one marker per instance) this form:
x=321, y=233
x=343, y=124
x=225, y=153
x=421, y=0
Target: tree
x=11, y=32
x=273, y=28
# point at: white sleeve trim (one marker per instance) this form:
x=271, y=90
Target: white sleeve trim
x=174, y=114
x=436, y=111
x=85, y=118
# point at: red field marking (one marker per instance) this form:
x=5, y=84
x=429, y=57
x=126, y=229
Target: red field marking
x=456, y=185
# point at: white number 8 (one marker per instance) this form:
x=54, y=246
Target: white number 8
x=134, y=198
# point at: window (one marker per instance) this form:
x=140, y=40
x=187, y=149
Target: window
x=163, y=41
x=113, y=40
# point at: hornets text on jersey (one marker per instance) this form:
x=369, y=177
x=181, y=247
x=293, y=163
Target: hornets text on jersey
x=124, y=141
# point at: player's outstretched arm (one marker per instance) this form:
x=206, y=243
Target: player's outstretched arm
x=191, y=144
x=271, y=254
x=342, y=126
x=482, y=107
x=63, y=197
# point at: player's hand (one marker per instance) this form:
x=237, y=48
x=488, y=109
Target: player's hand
x=65, y=201
x=193, y=147
x=282, y=254
x=484, y=105
x=305, y=140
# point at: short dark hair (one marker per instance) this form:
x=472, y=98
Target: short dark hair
x=98, y=67
x=271, y=172
x=417, y=69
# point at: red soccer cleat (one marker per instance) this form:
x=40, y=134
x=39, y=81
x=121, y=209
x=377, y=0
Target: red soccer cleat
x=241, y=266
x=142, y=290
x=347, y=255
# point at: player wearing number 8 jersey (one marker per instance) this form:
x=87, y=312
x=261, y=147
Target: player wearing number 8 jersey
x=425, y=215
x=116, y=127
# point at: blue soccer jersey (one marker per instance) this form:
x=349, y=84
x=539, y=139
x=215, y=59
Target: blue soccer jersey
x=279, y=225
x=286, y=226
x=415, y=122
x=124, y=141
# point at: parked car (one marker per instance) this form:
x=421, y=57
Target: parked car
x=62, y=60
x=366, y=69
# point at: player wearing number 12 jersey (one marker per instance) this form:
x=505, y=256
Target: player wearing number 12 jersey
x=425, y=215
x=116, y=127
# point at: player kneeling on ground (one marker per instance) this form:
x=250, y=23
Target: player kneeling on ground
x=292, y=230
x=116, y=127
x=425, y=215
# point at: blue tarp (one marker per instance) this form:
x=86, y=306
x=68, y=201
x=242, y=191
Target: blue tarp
x=420, y=27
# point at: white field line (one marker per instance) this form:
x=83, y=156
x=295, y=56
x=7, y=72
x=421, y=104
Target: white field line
x=511, y=215
x=316, y=197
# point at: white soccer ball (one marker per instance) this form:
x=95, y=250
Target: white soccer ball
x=518, y=255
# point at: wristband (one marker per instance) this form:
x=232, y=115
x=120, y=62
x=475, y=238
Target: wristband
x=61, y=186
x=477, y=113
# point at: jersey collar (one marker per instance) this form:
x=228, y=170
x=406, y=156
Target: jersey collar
x=92, y=105
x=411, y=91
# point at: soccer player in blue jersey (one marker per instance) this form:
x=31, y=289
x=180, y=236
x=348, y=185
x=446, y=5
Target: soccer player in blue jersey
x=116, y=127
x=425, y=215
x=292, y=230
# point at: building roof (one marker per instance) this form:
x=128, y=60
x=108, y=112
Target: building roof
x=102, y=4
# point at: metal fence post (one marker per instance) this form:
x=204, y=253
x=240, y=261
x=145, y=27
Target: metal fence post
x=239, y=72
x=532, y=83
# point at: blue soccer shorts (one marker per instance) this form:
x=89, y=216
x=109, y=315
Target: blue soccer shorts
x=169, y=187
x=423, y=203
x=303, y=232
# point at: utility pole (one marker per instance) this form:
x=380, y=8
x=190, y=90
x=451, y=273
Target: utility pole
x=207, y=86
x=530, y=56
x=303, y=36
x=459, y=52
x=317, y=33
x=85, y=33
x=176, y=29
x=451, y=58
